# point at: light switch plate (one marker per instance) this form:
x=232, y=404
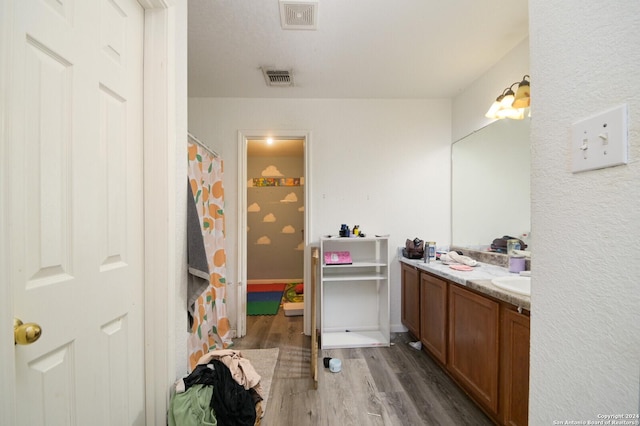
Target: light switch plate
x=600, y=141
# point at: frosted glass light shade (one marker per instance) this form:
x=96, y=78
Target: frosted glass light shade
x=523, y=96
x=493, y=109
x=512, y=113
x=507, y=101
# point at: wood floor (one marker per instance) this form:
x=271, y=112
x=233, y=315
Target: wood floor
x=377, y=386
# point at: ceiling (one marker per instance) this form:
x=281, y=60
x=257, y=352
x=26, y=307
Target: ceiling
x=360, y=49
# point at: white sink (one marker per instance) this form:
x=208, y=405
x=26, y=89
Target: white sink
x=517, y=284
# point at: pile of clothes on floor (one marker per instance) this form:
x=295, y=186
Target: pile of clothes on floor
x=224, y=389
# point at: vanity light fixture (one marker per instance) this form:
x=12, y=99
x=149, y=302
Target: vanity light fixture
x=508, y=96
x=510, y=104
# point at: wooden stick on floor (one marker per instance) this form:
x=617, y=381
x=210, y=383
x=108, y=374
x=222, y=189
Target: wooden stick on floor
x=314, y=334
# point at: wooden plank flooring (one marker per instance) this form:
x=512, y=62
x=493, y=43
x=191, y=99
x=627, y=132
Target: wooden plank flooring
x=377, y=386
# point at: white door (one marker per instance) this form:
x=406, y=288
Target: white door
x=75, y=217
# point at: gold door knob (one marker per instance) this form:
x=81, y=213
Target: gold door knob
x=25, y=334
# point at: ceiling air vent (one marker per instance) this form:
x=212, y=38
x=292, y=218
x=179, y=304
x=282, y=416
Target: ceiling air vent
x=274, y=77
x=299, y=15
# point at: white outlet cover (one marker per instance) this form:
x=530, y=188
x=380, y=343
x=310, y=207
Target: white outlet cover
x=600, y=141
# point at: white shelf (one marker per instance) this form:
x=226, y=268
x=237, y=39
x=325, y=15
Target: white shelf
x=353, y=339
x=356, y=265
x=354, y=298
x=354, y=277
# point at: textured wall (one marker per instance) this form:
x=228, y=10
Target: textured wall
x=585, y=344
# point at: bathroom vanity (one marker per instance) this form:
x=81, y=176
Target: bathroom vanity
x=477, y=332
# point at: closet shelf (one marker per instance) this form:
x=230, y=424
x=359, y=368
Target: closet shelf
x=365, y=264
x=355, y=278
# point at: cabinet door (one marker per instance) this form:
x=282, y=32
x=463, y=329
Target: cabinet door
x=433, y=315
x=473, y=344
x=410, y=309
x=515, y=367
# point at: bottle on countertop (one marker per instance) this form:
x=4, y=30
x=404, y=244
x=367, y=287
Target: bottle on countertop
x=432, y=250
x=516, y=264
x=513, y=244
x=429, y=251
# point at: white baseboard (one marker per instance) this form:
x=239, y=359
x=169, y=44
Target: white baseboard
x=398, y=328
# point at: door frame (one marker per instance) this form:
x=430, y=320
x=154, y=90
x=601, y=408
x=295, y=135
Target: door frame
x=241, y=294
x=161, y=149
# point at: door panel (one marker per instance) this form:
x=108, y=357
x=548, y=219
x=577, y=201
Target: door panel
x=410, y=295
x=433, y=315
x=47, y=201
x=75, y=194
x=473, y=353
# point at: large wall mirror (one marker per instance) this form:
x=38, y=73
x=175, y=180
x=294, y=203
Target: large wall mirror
x=490, y=184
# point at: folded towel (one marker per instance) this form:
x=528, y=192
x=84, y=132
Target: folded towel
x=454, y=257
x=195, y=287
x=196, y=253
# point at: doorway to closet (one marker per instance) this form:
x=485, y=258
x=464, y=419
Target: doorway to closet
x=273, y=222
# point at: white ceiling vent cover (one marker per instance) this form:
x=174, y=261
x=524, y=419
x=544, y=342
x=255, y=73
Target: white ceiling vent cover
x=278, y=78
x=299, y=15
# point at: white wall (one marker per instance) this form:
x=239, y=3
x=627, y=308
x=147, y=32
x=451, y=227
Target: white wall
x=585, y=341
x=469, y=107
x=381, y=164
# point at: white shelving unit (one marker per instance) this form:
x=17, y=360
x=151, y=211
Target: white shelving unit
x=354, y=299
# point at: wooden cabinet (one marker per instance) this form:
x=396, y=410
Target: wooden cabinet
x=483, y=343
x=410, y=294
x=514, y=370
x=473, y=357
x=433, y=316
x=354, y=297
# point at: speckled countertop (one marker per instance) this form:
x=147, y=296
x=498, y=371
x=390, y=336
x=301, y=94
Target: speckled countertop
x=479, y=279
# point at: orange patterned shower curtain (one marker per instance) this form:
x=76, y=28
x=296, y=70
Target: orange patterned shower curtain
x=210, y=328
